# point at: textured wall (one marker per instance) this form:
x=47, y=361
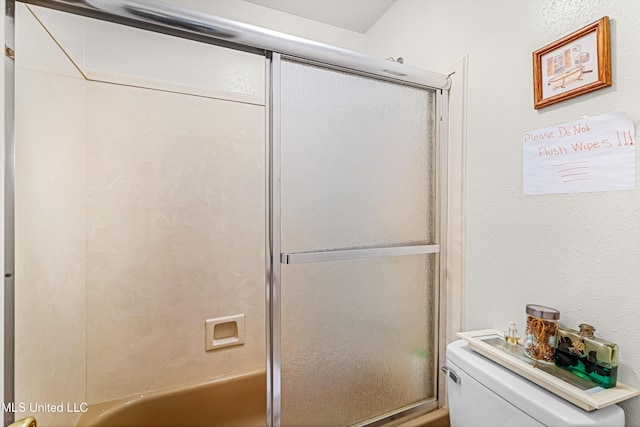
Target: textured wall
x=579, y=252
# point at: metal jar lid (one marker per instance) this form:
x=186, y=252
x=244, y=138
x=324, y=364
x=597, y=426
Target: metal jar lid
x=542, y=312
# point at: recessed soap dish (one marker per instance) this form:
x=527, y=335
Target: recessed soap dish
x=224, y=332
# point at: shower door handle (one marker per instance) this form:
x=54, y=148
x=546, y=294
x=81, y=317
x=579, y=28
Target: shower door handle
x=359, y=253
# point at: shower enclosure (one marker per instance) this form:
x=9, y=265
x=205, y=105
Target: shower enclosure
x=209, y=169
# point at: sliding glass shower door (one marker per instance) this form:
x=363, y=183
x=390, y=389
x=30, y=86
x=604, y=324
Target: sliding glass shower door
x=359, y=246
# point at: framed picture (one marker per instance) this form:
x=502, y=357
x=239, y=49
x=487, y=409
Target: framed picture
x=572, y=66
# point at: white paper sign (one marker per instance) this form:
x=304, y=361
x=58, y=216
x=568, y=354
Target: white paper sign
x=591, y=154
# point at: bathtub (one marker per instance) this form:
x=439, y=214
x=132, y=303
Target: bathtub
x=232, y=401
x=566, y=78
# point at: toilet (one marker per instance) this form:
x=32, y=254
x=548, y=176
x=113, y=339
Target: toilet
x=483, y=393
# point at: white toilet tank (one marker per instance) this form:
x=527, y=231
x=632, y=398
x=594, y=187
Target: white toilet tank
x=487, y=394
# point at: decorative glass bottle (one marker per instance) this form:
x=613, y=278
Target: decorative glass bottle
x=587, y=356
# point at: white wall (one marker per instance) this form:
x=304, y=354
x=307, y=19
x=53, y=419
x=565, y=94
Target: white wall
x=577, y=253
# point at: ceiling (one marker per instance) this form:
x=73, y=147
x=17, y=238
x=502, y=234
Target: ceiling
x=354, y=15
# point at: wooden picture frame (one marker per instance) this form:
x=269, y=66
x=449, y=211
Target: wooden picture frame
x=572, y=66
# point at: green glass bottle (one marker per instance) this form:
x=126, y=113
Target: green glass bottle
x=585, y=355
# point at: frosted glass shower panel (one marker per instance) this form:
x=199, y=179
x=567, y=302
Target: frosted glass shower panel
x=357, y=339
x=357, y=161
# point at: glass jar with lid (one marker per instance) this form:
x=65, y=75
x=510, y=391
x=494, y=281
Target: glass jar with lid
x=542, y=327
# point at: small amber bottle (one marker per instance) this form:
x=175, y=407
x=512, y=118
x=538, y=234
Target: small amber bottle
x=587, y=356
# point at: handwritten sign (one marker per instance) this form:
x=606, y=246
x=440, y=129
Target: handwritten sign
x=591, y=154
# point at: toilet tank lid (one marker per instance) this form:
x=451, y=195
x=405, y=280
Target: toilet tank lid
x=530, y=398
